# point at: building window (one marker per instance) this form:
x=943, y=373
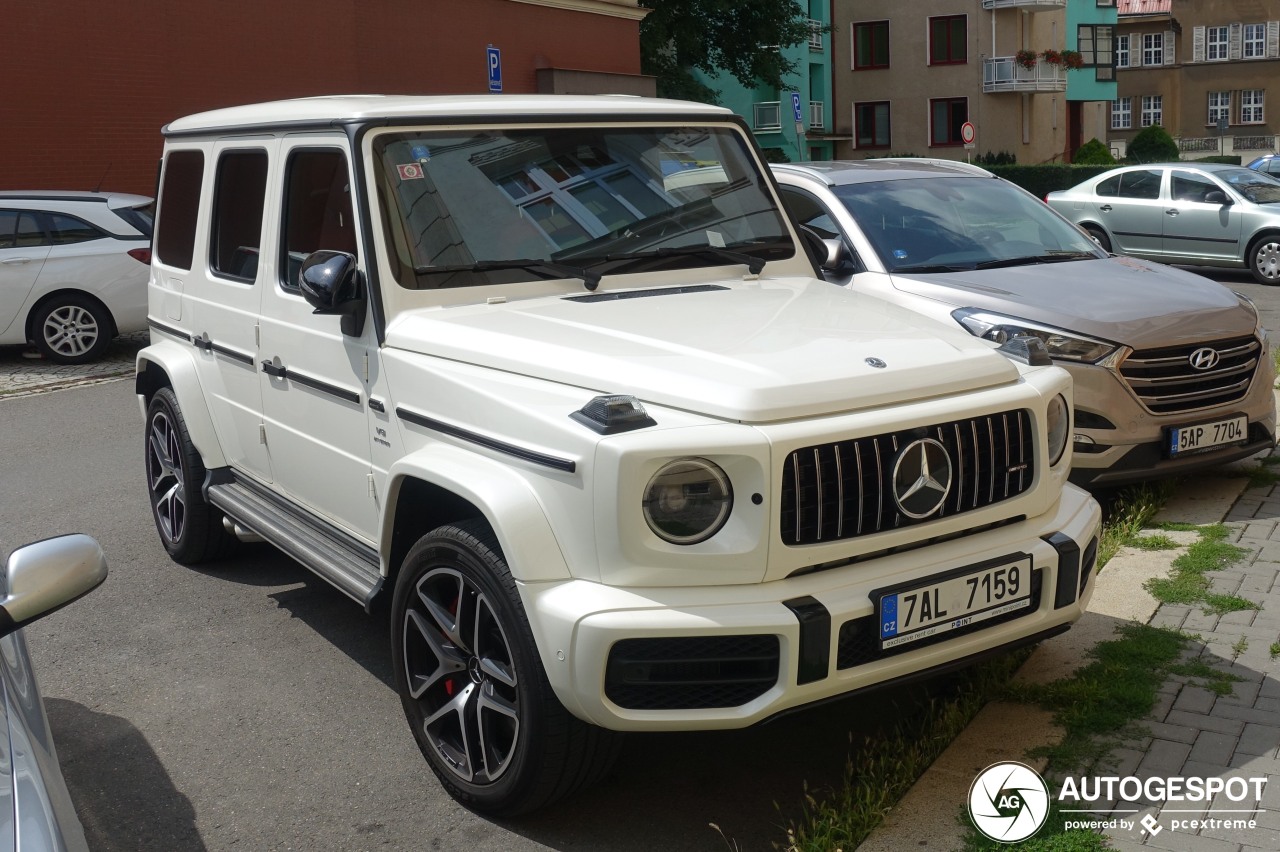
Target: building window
x=1153, y=49
x=1097, y=49
x=815, y=35
x=871, y=125
x=1106, y=4
x=946, y=117
x=1152, y=110
x=1122, y=51
x=1255, y=41
x=768, y=116
x=947, y=40
x=1122, y=114
x=1251, y=101
x=1216, y=43
x=870, y=45
x=1219, y=107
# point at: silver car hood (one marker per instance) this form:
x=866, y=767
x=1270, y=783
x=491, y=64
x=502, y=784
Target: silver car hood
x=1120, y=299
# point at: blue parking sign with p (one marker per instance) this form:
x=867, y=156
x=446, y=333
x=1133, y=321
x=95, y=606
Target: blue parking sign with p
x=795, y=107
x=495, y=69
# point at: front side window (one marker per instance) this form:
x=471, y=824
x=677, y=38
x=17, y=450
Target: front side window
x=948, y=44
x=1152, y=110
x=1255, y=41
x=1251, y=103
x=1219, y=107
x=1191, y=186
x=1215, y=43
x=870, y=45
x=871, y=125
x=1153, y=49
x=238, y=196
x=946, y=117
x=1122, y=113
x=490, y=206
x=958, y=224
x=175, y=238
x=1122, y=51
x=317, y=209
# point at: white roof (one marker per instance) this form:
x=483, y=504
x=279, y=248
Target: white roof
x=319, y=110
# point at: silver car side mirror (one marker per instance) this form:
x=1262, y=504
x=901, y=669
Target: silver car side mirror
x=48, y=575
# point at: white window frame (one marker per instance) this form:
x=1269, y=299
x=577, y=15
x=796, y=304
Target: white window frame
x=760, y=112
x=815, y=35
x=1122, y=51
x=1219, y=107
x=1153, y=48
x=1252, y=106
x=1254, y=41
x=1122, y=113
x=1216, y=41
x=1152, y=110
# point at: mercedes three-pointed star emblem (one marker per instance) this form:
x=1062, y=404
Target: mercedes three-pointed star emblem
x=921, y=478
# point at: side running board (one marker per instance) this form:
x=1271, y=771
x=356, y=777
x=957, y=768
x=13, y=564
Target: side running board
x=348, y=564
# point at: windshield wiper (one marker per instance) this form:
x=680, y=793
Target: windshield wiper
x=934, y=267
x=545, y=268
x=754, y=264
x=1028, y=260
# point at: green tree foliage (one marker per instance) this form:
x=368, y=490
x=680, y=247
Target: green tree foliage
x=1152, y=145
x=744, y=38
x=1093, y=153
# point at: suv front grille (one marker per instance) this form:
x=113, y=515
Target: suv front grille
x=845, y=489
x=1166, y=383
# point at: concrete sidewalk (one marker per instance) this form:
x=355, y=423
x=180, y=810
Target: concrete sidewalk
x=1192, y=731
x=21, y=376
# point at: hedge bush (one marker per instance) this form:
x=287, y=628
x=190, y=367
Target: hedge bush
x=1043, y=179
x=1093, y=153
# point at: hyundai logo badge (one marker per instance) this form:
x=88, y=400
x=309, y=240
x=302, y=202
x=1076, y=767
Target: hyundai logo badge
x=1205, y=358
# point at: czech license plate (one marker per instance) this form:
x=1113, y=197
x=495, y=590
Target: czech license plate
x=950, y=602
x=1203, y=436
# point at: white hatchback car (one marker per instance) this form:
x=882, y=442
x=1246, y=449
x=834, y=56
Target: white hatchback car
x=73, y=270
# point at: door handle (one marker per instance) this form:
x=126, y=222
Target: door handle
x=271, y=369
x=1173, y=212
x=13, y=261
x=1106, y=208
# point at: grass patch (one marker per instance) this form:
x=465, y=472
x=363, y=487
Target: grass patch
x=881, y=771
x=1275, y=650
x=1188, y=582
x=1127, y=512
x=1052, y=836
x=1101, y=702
x=1154, y=542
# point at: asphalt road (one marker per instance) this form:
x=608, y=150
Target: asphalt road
x=247, y=705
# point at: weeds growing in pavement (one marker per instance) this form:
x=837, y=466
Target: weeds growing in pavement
x=1126, y=513
x=1188, y=584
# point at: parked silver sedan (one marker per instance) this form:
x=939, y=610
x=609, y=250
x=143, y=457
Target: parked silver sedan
x=1172, y=371
x=1195, y=214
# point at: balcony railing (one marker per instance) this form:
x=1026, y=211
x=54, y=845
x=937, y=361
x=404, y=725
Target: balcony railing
x=817, y=112
x=1022, y=4
x=1004, y=74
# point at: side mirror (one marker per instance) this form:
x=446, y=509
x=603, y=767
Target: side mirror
x=1216, y=196
x=330, y=282
x=48, y=575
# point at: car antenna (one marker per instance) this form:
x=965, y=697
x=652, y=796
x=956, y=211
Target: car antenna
x=98, y=188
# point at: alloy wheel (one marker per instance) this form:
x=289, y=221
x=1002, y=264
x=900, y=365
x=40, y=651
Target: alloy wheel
x=164, y=476
x=459, y=668
x=70, y=330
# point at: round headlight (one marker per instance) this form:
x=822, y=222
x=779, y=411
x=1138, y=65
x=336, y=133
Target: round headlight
x=1059, y=418
x=687, y=501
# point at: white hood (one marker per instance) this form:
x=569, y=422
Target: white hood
x=753, y=352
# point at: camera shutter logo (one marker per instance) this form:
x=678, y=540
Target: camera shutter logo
x=1008, y=801
x=1205, y=358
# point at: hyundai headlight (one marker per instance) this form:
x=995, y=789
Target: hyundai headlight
x=687, y=501
x=1061, y=344
x=1058, y=419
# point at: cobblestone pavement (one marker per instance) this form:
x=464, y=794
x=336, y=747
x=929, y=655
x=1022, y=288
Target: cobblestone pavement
x=21, y=376
x=1197, y=733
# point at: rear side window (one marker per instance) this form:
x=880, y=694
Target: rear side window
x=66, y=230
x=238, y=196
x=317, y=210
x=175, y=238
x=1144, y=183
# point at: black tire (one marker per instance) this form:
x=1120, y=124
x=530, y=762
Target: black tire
x=71, y=329
x=1100, y=236
x=472, y=683
x=190, y=529
x=1264, y=259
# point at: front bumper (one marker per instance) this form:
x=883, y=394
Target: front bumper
x=692, y=658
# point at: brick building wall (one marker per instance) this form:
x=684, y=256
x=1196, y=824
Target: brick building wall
x=91, y=83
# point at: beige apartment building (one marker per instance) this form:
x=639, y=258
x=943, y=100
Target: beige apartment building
x=1202, y=69
x=908, y=75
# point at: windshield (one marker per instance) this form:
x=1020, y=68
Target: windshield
x=1258, y=187
x=491, y=206
x=949, y=224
